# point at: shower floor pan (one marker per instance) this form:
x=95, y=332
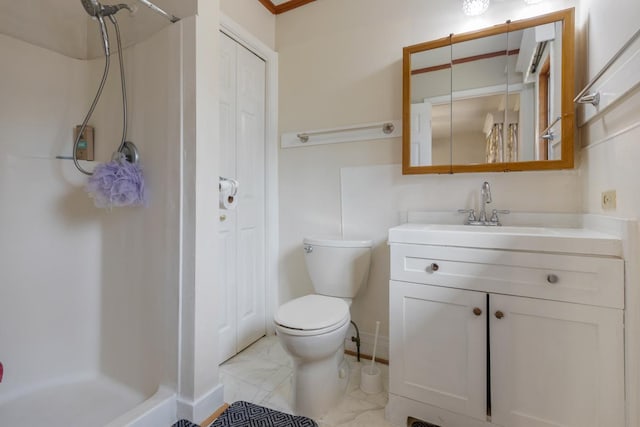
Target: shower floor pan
x=93, y=402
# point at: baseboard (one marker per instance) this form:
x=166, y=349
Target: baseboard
x=203, y=407
x=366, y=345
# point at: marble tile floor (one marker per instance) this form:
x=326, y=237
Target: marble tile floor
x=262, y=374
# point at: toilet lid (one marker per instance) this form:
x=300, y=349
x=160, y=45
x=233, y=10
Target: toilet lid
x=312, y=312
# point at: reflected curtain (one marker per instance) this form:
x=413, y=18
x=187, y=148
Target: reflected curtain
x=494, y=144
x=511, y=149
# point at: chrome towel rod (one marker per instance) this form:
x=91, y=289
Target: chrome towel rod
x=548, y=133
x=387, y=128
x=594, y=98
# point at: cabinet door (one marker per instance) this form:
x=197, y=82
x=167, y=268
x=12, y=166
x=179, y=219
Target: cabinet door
x=438, y=346
x=555, y=364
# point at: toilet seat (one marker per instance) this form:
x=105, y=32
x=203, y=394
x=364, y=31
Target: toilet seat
x=312, y=315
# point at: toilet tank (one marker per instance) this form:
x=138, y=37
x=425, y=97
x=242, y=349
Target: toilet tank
x=337, y=267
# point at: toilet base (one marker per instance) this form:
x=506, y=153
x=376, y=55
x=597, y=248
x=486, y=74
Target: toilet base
x=318, y=385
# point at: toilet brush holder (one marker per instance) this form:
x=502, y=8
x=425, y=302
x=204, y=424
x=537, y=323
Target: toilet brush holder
x=370, y=379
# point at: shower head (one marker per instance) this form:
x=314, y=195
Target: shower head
x=91, y=6
x=99, y=11
x=95, y=8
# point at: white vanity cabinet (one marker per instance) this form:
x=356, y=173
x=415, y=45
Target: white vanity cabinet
x=484, y=337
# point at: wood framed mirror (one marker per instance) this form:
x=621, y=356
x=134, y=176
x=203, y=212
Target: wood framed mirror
x=493, y=100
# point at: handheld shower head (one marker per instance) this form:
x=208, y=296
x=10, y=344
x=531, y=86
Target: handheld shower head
x=95, y=8
x=91, y=6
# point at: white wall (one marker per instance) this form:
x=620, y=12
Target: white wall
x=50, y=239
x=340, y=64
x=254, y=17
x=610, y=154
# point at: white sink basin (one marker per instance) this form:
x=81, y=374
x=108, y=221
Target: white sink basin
x=543, y=239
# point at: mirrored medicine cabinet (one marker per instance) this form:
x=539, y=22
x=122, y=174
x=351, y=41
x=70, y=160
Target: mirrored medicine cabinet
x=496, y=99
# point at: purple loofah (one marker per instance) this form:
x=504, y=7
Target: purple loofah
x=117, y=183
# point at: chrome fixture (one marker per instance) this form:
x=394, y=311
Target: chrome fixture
x=387, y=128
x=156, y=9
x=594, y=98
x=481, y=219
x=591, y=98
x=99, y=11
x=485, y=192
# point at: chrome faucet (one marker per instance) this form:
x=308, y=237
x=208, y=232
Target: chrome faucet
x=485, y=192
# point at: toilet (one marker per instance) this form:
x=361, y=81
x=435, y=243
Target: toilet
x=312, y=328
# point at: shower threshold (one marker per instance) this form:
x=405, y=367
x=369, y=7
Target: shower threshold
x=78, y=404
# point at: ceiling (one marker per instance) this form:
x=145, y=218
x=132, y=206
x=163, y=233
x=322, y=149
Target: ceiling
x=63, y=25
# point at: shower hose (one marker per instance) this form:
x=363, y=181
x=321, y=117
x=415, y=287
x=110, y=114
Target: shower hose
x=99, y=92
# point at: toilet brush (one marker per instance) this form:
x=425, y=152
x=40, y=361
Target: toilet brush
x=375, y=344
x=370, y=376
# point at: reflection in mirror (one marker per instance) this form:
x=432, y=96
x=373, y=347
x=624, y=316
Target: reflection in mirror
x=495, y=99
x=538, y=72
x=430, y=107
x=479, y=99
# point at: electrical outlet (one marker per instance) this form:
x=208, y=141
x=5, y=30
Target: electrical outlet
x=608, y=200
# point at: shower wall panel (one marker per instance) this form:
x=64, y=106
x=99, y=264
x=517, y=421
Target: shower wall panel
x=139, y=269
x=50, y=238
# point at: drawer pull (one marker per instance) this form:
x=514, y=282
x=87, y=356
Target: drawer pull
x=433, y=267
x=477, y=311
x=552, y=278
x=499, y=314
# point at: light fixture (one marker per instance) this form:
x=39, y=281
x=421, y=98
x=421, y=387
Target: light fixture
x=474, y=7
x=532, y=1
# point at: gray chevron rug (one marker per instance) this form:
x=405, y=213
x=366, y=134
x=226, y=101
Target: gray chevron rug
x=245, y=414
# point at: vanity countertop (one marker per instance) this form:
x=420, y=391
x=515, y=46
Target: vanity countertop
x=538, y=239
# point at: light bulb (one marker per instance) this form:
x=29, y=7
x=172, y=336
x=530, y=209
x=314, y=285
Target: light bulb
x=474, y=7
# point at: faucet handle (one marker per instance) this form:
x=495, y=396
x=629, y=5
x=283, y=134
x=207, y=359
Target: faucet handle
x=471, y=212
x=494, y=215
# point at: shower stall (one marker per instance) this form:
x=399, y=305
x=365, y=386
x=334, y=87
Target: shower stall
x=91, y=299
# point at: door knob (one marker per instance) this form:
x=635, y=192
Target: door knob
x=477, y=311
x=499, y=314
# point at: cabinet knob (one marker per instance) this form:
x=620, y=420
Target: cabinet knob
x=552, y=278
x=477, y=311
x=434, y=267
x=223, y=217
x=499, y=314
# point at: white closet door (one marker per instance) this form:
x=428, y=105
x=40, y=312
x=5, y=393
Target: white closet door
x=227, y=227
x=250, y=138
x=241, y=265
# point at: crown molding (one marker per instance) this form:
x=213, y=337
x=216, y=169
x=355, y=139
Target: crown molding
x=284, y=7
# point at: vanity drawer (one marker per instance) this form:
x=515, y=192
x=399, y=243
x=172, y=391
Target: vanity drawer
x=573, y=278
